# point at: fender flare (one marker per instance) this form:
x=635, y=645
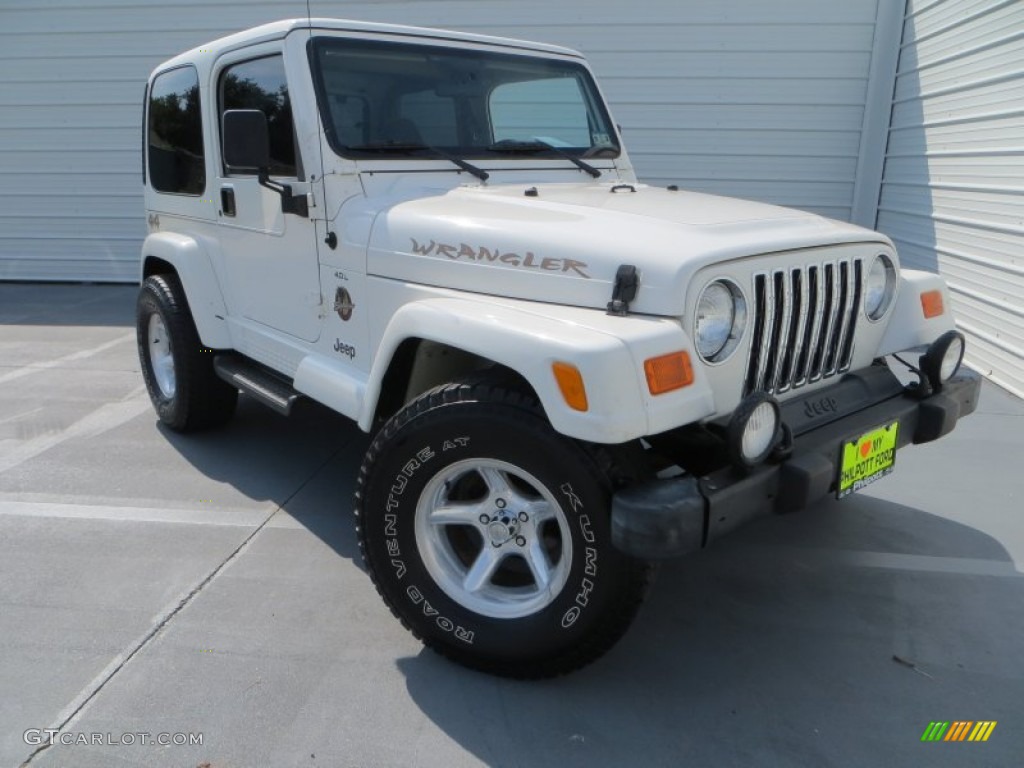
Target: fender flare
x=620, y=407
x=191, y=261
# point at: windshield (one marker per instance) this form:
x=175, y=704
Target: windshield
x=383, y=99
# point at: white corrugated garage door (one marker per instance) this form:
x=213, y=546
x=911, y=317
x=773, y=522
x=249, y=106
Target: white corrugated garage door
x=953, y=188
x=742, y=97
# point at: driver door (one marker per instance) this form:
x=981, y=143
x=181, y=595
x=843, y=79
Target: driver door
x=270, y=257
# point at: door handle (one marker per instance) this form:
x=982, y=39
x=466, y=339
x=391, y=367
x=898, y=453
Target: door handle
x=227, y=201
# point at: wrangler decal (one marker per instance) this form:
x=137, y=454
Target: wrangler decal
x=466, y=252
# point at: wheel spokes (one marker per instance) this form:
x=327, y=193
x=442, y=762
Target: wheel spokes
x=458, y=514
x=483, y=568
x=540, y=566
x=493, y=537
x=161, y=355
x=538, y=511
x=497, y=484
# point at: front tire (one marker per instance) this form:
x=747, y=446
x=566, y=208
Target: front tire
x=488, y=534
x=186, y=392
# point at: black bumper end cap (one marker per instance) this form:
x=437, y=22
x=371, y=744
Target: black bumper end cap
x=939, y=413
x=936, y=417
x=659, y=519
x=803, y=479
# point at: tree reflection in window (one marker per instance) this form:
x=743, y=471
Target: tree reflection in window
x=176, y=160
x=260, y=84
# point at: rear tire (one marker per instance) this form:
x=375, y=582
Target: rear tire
x=488, y=534
x=186, y=392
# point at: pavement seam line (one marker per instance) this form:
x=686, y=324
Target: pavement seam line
x=108, y=674
x=117, y=665
x=81, y=354
x=217, y=517
x=106, y=417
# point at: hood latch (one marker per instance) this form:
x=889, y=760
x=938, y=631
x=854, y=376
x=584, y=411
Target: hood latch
x=627, y=281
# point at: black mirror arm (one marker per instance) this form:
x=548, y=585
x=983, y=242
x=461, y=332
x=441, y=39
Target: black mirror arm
x=290, y=203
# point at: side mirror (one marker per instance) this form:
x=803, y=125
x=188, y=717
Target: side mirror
x=246, y=140
x=247, y=148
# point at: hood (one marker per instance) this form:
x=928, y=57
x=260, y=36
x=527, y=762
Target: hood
x=563, y=243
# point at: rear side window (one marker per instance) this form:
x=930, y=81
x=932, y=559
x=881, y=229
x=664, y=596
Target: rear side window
x=175, y=133
x=261, y=84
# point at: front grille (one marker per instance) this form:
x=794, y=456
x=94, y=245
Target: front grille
x=805, y=319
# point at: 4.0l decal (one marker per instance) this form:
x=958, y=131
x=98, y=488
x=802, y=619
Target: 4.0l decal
x=482, y=254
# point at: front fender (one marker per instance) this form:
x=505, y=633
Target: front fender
x=908, y=327
x=527, y=337
x=190, y=260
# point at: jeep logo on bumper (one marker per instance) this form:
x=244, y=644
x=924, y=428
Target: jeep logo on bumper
x=815, y=408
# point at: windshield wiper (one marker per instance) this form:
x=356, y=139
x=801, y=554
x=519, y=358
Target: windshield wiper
x=411, y=146
x=536, y=145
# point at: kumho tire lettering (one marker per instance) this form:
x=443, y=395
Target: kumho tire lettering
x=488, y=534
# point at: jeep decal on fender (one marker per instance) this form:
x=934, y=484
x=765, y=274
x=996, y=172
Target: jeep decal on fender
x=482, y=254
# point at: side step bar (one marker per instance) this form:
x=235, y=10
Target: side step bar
x=269, y=388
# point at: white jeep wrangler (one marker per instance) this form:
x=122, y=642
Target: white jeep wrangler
x=567, y=373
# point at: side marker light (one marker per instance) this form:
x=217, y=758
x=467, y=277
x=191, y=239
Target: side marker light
x=570, y=382
x=668, y=372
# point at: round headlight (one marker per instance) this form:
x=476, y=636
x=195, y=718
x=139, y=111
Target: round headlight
x=879, y=287
x=721, y=315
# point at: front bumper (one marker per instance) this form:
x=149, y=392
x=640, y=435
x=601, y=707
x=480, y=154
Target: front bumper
x=671, y=517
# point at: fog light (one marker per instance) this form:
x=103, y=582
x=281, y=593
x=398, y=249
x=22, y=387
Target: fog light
x=753, y=430
x=942, y=360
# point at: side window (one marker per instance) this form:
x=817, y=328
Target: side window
x=260, y=84
x=175, y=133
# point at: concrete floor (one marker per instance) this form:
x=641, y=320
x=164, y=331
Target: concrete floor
x=152, y=583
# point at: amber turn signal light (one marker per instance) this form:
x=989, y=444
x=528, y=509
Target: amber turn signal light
x=668, y=372
x=570, y=382
x=931, y=303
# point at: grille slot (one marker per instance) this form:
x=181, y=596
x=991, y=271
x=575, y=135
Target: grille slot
x=805, y=319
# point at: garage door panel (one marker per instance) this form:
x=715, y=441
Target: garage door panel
x=988, y=63
x=979, y=205
x=952, y=193
x=991, y=21
x=994, y=131
x=751, y=118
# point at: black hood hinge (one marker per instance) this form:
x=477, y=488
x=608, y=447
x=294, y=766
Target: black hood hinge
x=627, y=281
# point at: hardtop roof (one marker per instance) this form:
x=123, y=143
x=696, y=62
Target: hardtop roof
x=275, y=30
